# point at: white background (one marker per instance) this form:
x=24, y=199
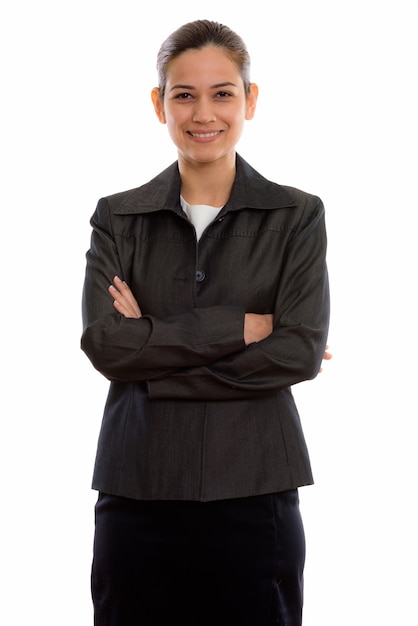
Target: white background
x=337, y=116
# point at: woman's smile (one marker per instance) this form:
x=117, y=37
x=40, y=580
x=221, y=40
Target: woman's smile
x=205, y=135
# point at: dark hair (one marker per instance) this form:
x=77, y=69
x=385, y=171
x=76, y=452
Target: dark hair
x=199, y=34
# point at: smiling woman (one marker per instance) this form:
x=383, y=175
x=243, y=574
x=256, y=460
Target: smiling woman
x=204, y=103
x=205, y=299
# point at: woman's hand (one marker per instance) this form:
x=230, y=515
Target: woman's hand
x=124, y=300
x=327, y=355
x=257, y=327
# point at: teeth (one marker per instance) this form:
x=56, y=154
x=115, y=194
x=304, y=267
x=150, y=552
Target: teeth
x=202, y=135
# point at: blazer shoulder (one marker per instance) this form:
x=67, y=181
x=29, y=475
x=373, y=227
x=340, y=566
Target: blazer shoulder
x=150, y=196
x=258, y=191
x=300, y=196
x=309, y=207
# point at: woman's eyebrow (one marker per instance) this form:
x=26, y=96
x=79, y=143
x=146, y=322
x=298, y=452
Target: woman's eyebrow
x=181, y=87
x=225, y=84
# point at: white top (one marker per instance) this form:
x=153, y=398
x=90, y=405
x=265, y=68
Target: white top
x=200, y=215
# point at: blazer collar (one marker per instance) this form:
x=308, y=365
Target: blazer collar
x=250, y=190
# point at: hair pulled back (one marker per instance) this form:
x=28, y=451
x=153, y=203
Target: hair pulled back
x=199, y=34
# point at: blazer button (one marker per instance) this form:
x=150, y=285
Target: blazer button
x=200, y=276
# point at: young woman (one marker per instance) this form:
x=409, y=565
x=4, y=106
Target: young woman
x=218, y=303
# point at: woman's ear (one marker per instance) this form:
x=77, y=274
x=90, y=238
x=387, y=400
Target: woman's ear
x=252, y=96
x=158, y=104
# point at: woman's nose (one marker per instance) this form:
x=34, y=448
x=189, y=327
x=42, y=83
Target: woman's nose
x=204, y=112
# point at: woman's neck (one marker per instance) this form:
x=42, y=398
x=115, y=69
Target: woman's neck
x=207, y=183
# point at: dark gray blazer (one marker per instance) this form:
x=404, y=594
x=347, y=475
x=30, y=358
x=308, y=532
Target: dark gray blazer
x=192, y=413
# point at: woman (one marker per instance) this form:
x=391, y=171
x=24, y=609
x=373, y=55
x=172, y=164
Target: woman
x=218, y=302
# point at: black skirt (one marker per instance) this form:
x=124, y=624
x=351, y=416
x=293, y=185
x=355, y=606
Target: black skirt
x=222, y=563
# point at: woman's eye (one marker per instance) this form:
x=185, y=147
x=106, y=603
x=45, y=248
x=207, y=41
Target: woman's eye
x=223, y=94
x=183, y=96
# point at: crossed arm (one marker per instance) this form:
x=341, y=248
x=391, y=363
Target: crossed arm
x=256, y=326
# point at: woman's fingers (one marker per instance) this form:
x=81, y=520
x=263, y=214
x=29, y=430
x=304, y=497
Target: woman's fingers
x=327, y=356
x=124, y=300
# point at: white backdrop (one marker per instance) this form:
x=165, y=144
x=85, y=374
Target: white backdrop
x=337, y=116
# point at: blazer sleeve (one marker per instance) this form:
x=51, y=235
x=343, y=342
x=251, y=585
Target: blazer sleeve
x=140, y=349
x=295, y=349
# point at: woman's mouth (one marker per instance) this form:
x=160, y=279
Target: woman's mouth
x=207, y=135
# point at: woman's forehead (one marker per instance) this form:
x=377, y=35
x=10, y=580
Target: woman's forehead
x=205, y=64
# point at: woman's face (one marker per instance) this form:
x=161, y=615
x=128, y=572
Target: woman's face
x=205, y=105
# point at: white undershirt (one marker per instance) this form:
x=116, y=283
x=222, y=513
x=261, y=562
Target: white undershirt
x=200, y=215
